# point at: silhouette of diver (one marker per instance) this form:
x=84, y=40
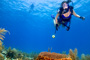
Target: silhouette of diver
x=31, y=7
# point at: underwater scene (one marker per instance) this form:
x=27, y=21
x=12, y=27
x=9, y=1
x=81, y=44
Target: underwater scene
x=44, y=30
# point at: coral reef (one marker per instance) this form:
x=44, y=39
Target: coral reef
x=2, y=33
x=10, y=53
x=33, y=55
x=14, y=54
x=85, y=57
x=17, y=55
x=52, y=56
x=63, y=52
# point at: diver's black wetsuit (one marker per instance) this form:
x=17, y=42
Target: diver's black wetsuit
x=64, y=19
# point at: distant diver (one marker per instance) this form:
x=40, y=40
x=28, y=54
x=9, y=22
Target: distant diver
x=64, y=16
x=31, y=7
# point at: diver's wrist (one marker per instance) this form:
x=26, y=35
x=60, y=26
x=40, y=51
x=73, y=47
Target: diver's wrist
x=83, y=18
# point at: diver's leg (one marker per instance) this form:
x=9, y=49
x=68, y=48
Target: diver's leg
x=63, y=24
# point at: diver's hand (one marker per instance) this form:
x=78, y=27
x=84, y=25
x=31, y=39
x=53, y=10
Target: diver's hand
x=83, y=18
x=57, y=27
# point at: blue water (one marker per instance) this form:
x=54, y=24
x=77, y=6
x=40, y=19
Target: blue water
x=31, y=27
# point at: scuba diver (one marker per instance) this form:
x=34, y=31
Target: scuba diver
x=31, y=7
x=64, y=16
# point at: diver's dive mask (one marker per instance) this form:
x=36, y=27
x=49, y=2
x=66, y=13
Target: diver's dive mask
x=65, y=7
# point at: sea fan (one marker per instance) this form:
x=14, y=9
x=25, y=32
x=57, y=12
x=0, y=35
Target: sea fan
x=72, y=54
x=2, y=33
x=0, y=45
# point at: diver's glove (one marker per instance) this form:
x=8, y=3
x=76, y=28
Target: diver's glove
x=57, y=27
x=68, y=28
x=83, y=18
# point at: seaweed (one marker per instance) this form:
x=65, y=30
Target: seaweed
x=1, y=57
x=49, y=49
x=83, y=57
x=33, y=55
x=63, y=52
x=0, y=46
x=87, y=57
x=10, y=53
x=13, y=53
x=73, y=54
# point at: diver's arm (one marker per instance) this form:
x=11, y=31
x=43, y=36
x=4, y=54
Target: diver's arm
x=56, y=21
x=56, y=18
x=75, y=14
x=83, y=18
